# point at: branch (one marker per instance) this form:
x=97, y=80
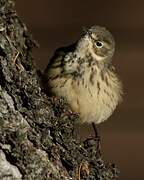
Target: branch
x=36, y=131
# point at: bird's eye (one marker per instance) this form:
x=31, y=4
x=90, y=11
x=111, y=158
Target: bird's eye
x=99, y=44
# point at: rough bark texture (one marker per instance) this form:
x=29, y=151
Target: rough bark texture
x=36, y=131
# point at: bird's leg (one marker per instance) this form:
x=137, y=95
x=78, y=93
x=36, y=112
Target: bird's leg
x=97, y=137
x=95, y=130
x=83, y=166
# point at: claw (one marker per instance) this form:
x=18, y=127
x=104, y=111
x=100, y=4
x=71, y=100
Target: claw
x=83, y=167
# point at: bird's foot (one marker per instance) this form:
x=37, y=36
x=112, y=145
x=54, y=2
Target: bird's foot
x=83, y=167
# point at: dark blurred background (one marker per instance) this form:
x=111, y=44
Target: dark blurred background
x=55, y=23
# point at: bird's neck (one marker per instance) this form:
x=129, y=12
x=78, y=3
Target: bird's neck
x=82, y=48
x=84, y=51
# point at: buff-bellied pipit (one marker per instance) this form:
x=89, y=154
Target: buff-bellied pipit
x=83, y=74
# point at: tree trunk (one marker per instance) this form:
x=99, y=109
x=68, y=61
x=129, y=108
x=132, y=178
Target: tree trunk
x=36, y=131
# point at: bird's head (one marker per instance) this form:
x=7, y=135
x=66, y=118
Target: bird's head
x=98, y=42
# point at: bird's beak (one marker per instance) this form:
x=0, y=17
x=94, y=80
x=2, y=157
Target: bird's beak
x=86, y=31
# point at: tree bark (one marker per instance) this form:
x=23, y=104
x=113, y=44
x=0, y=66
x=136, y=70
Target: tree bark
x=36, y=131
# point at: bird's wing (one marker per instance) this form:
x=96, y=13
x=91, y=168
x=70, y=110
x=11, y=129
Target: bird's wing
x=57, y=60
x=60, y=54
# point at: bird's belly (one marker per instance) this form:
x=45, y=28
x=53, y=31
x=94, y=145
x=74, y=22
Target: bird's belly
x=95, y=110
x=92, y=103
x=96, y=105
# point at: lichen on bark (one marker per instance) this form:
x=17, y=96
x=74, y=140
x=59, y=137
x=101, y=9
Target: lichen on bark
x=36, y=131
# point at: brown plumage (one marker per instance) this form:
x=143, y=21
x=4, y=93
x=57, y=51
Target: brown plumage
x=83, y=74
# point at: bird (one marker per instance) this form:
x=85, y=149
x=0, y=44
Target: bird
x=83, y=74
